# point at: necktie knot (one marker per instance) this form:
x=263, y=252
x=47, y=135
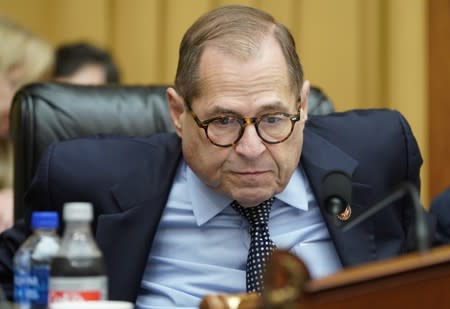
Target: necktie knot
x=256, y=216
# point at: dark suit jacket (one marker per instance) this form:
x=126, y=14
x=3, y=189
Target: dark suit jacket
x=128, y=181
x=440, y=207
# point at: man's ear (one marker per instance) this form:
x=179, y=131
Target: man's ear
x=176, y=109
x=304, y=97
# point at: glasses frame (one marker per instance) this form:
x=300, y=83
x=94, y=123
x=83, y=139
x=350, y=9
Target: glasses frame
x=244, y=121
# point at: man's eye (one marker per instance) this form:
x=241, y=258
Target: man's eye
x=272, y=119
x=224, y=121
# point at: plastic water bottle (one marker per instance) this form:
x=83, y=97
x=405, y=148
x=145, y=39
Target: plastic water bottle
x=78, y=271
x=32, y=261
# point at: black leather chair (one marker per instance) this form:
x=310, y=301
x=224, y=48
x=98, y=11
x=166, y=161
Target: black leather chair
x=47, y=112
x=318, y=102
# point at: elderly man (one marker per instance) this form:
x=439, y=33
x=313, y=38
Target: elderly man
x=196, y=212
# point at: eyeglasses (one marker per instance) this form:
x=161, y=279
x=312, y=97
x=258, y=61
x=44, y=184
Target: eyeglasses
x=225, y=131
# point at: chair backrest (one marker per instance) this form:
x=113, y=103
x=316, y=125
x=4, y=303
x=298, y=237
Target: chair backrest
x=43, y=113
x=47, y=112
x=318, y=102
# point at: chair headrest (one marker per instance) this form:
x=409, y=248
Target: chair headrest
x=61, y=111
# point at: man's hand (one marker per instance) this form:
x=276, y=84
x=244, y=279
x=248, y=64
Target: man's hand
x=6, y=209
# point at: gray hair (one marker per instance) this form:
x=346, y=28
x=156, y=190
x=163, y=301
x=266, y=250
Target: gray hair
x=238, y=30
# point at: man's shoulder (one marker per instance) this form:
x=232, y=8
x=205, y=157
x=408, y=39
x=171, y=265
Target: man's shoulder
x=113, y=152
x=356, y=117
x=358, y=123
x=380, y=140
x=103, y=160
x=106, y=143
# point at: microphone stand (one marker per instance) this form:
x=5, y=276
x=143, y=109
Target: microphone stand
x=405, y=189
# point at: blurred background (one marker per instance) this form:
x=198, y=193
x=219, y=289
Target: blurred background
x=362, y=53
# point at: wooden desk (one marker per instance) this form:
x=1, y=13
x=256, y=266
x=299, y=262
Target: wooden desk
x=413, y=281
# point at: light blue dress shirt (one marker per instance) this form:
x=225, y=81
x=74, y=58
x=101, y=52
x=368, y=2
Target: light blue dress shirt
x=202, y=243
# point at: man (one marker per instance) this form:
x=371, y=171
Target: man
x=84, y=64
x=173, y=221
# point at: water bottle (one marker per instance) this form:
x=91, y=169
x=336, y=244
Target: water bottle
x=32, y=261
x=78, y=272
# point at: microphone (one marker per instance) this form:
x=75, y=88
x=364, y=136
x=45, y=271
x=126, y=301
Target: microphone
x=336, y=192
x=336, y=195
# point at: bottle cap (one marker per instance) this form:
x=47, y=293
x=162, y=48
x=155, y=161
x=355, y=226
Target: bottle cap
x=78, y=211
x=44, y=219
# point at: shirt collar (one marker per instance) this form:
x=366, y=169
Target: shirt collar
x=295, y=194
x=207, y=203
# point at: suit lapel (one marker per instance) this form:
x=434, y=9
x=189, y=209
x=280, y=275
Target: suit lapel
x=126, y=237
x=320, y=157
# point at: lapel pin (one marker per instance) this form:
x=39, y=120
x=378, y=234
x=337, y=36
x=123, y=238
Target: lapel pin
x=346, y=214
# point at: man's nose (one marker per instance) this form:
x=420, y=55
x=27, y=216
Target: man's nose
x=250, y=144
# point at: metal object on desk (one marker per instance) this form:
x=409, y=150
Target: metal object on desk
x=284, y=283
x=232, y=301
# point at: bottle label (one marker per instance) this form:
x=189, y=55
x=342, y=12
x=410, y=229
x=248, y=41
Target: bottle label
x=41, y=275
x=31, y=287
x=76, y=288
x=21, y=284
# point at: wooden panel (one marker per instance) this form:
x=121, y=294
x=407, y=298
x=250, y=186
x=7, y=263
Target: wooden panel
x=406, y=72
x=138, y=36
x=85, y=20
x=329, y=44
x=439, y=95
x=29, y=14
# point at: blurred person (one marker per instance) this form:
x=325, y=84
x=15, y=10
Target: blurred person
x=24, y=58
x=85, y=64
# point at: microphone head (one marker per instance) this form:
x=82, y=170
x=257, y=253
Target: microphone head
x=336, y=192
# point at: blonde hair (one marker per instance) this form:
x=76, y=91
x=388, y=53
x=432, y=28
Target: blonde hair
x=21, y=47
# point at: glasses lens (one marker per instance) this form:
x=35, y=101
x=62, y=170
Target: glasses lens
x=275, y=127
x=224, y=130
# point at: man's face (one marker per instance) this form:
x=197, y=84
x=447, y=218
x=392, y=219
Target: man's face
x=88, y=74
x=251, y=171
